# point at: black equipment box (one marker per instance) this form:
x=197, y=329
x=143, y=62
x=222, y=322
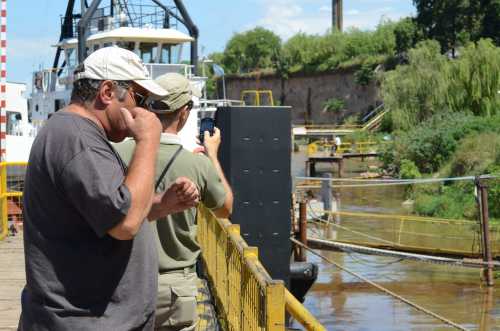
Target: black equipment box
x=255, y=155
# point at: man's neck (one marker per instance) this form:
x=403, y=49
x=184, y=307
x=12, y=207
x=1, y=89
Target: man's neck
x=81, y=110
x=170, y=130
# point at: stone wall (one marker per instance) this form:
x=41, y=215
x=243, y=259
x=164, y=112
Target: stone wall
x=307, y=94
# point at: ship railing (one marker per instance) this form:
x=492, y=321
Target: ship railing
x=11, y=192
x=246, y=296
x=158, y=69
x=47, y=80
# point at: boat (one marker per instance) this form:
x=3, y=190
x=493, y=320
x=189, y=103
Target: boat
x=152, y=31
x=19, y=131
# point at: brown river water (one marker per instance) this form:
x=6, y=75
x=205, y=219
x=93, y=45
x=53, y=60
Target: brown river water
x=341, y=301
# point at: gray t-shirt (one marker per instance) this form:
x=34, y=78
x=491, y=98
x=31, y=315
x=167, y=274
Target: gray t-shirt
x=79, y=277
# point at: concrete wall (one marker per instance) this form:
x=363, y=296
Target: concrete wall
x=307, y=94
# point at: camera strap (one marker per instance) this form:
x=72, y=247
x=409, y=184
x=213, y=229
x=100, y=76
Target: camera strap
x=164, y=172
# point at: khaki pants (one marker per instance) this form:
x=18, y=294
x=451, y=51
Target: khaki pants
x=176, y=307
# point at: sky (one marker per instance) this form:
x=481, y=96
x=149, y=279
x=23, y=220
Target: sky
x=33, y=26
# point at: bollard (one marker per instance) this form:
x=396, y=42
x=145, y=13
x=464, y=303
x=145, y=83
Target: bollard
x=485, y=228
x=326, y=195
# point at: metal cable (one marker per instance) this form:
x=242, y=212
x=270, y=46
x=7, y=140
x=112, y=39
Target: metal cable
x=317, y=218
x=392, y=182
x=381, y=288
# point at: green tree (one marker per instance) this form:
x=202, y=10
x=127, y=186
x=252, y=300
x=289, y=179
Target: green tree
x=406, y=34
x=415, y=92
x=491, y=20
x=251, y=51
x=446, y=21
x=475, y=80
x=455, y=22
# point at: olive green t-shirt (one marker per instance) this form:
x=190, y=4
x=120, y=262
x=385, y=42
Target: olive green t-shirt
x=176, y=233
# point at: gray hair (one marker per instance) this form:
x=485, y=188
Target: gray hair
x=85, y=90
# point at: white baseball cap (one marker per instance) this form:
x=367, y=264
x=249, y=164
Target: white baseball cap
x=115, y=63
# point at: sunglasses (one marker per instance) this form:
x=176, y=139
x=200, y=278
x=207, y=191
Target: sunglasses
x=140, y=100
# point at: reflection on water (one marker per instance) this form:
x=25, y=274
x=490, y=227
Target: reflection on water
x=343, y=302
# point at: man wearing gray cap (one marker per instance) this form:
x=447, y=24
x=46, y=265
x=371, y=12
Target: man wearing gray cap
x=91, y=262
x=176, y=234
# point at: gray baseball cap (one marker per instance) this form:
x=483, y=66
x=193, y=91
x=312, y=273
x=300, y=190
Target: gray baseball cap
x=180, y=92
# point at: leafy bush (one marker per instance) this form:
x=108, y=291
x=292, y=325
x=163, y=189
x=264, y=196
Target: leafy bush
x=494, y=190
x=475, y=154
x=334, y=105
x=250, y=51
x=364, y=75
x=454, y=201
x=433, y=143
x=409, y=170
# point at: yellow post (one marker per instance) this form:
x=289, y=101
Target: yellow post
x=3, y=200
x=275, y=306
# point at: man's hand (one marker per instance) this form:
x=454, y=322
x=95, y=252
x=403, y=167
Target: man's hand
x=181, y=195
x=142, y=125
x=212, y=143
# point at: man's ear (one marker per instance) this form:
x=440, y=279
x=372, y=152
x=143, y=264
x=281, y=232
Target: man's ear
x=106, y=92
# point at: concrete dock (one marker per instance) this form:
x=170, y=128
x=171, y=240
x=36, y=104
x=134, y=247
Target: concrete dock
x=12, y=280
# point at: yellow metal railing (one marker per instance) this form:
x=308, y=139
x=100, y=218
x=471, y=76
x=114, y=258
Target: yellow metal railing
x=332, y=127
x=11, y=187
x=247, y=297
x=256, y=97
x=347, y=147
x=419, y=234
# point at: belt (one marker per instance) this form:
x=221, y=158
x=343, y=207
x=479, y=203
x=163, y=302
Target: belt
x=185, y=270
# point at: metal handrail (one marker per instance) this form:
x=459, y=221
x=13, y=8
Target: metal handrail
x=360, y=147
x=301, y=314
x=247, y=297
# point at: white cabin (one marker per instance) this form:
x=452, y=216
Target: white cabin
x=20, y=133
x=160, y=50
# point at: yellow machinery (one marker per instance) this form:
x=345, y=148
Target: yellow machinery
x=257, y=97
x=11, y=192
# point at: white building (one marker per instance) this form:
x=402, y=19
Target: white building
x=20, y=133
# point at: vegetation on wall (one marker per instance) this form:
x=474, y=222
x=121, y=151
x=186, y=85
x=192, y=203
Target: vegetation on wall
x=333, y=105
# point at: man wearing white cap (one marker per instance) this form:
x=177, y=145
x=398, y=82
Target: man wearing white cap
x=91, y=262
x=176, y=234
